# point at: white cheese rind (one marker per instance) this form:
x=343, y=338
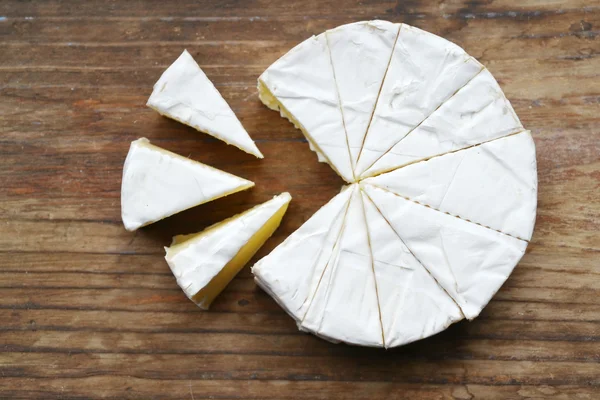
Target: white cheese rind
x=493, y=184
x=184, y=93
x=302, y=81
x=425, y=71
x=195, y=262
x=158, y=183
x=469, y=261
x=292, y=271
x=360, y=54
x=477, y=113
x=344, y=307
x=413, y=306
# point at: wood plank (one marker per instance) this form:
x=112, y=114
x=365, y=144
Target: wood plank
x=141, y=388
x=378, y=365
x=127, y=30
x=311, y=8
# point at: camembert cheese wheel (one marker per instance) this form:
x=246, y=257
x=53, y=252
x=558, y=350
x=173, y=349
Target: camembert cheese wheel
x=442, y=193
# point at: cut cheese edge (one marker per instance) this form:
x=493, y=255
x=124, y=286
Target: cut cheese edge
x=469, y=261
x=345, y=306
x=477, y=113
x=360, y=55
x=425, y=71
x=412, y=304
x=493, y=184
x=158, y=183
x=204, y=263
x=185, y=94
x=301, y=86
x=292, y=271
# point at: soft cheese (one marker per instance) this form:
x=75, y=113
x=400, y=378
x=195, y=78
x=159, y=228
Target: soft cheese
x=477, y=113
x=184, y=93
x=412, y=304
x=493, y=184
x=301, y=86
x=292, y=271
x=469, y=261
x=360, y=55
x=158, y=183
x=345, y=306
x=206, y=262
x=424, y=72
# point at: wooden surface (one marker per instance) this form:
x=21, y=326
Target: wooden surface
x=88, y=310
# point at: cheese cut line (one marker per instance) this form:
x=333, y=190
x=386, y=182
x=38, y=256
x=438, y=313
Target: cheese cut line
x=358, y=34
x=447, y=213
x=337, y=239
x=471, y=288
x=311, y=296
x=418, y=95
x=378, y=96
x=457, y=124
x=372, y=263
x=454, y=314
x=428, y=183
x=415, y=127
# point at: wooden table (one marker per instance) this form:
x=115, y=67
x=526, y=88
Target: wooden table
x=89, y=311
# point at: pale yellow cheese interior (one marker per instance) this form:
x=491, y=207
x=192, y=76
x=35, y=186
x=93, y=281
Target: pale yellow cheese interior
x=207, y=294
x=270, y=101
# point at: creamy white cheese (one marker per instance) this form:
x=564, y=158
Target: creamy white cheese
x=302, y=81
x=345, y=307
x=493, y=184
x=411, y=303
x=443, y=193
x=424, y=72
x=185, y=94
x=292, y=271
x=477, y=113
x=158, y=183
x=469, y=261
x=360, y=55
x=196, y=262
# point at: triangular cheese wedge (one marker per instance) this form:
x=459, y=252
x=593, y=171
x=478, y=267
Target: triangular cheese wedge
x=292, y=271
x=477, y=113
x=344, y=307
x=301, y=85
x=425, y=71
x=412, y=304
x=185, y=94
x=158, y=183
x=494, y=184
x=360, y=55
x=469, y=261
x=206, y=262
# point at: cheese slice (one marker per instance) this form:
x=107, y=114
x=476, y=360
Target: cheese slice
x=206, y=262
x=344, y=307
x=411, y=302
x=301, y=86
x=185, y=94
x=477, y=113
x=469, y=261
x=425, y=71
x=493, y=184
x=360, y=55
x=158, y=183
x=292, y=271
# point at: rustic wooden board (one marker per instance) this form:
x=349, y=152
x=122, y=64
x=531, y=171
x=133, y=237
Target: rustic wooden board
x=88, y=310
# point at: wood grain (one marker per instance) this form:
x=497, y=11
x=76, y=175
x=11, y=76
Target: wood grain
x=90, y=311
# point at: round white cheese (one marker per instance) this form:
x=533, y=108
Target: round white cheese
x=443, y=185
